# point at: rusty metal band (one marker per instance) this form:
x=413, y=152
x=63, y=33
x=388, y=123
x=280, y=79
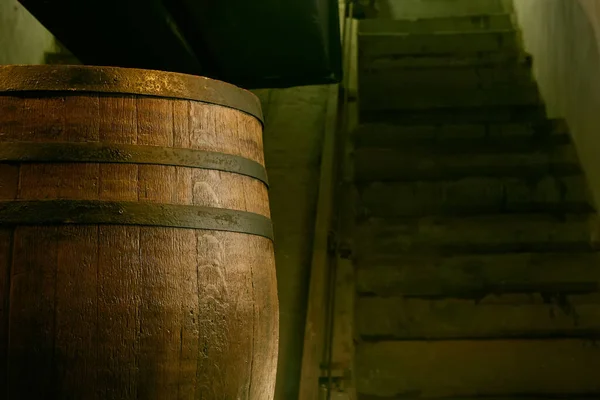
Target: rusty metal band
x=88, y=79
x=23, y=152
x=91, y=212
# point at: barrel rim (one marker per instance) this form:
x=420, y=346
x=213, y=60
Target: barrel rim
x=132, y=81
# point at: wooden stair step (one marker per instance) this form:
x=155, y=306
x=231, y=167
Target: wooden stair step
x=541, y=396
x=471, y=23
x=443, y=8
x=373, y=45
x=455, y=115
x=464, y=138
x=411, y=165
x=389, y=238
x=402, y=80
x=527, y=315
x=492, y=59
x=423, y=98
x=475, y=276
x=475, y=195
x=485, y=368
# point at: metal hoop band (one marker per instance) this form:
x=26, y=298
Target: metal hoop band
x=91, y=212
x=80, y=78
x=129, y=154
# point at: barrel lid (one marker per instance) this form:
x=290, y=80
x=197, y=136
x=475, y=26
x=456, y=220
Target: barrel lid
x=90, y=79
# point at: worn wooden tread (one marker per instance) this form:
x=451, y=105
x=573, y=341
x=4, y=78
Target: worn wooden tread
x=442, y=8
x=486, y=368
x=479, y=138
x=432, y=79
x=425, y=98
x=540, y=396
x=372, y=45
x=474, y=195
x=527, y=315
x=484, y=234
x=495, y=59
x=473, y=23
x=455, y=115
x=474, y=276
x=411, y=165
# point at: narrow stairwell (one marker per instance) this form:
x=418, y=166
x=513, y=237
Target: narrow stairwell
x=474, y=243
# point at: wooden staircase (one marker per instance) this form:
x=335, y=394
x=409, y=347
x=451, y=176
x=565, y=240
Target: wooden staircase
x=474, y=245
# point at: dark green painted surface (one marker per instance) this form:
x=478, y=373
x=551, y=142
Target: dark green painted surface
x=250, y=44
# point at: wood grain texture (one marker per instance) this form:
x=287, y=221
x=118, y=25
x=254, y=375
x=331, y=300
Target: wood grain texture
x=448, y=369
x=130, y=312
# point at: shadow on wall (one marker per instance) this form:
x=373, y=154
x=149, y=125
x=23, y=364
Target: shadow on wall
x=564, y=36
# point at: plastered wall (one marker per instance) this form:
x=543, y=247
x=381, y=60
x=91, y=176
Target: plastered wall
x=23, y=40
x=294, y=130
x=563, y=36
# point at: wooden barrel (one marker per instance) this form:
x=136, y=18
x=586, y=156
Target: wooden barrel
x=136, y=254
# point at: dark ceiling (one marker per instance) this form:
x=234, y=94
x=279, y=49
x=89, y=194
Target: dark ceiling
x=253, y=44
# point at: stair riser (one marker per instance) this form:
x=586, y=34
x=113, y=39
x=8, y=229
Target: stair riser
x=463, y=145
x=509, y=60
x=474, y=115
x=466, y=138
x=443, y=8
x=388, y=165
x=474, y=276
x=378, y=45
x=471, y=196
x=527, y=315
x=385, y=239
x=477, y=23
x=430, y=79
x=413, y=98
